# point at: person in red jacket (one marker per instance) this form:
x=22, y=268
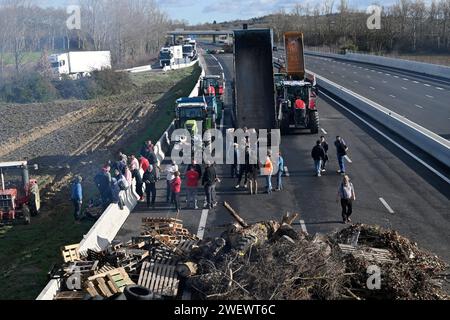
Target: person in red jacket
x=144, y=164
x=175, y=186
x=192, y=178
x=211, y=90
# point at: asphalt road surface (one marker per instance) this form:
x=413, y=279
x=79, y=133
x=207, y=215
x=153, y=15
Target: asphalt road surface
x=392, y=189
x=421, y=99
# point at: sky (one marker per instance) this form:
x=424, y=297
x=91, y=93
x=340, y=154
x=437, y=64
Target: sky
x=200, y=11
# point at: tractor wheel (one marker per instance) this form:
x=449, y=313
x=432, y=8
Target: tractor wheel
x=26, y=214
x=314, y=122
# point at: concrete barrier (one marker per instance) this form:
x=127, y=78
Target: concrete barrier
x=401, y=64
x=108, y=225
x=429, y=142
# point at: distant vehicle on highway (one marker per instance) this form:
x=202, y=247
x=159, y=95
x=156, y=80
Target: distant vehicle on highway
x=189, y=52
x=79, y=64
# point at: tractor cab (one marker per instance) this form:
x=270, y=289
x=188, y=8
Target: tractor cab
x=211, y=85
x=19, y=195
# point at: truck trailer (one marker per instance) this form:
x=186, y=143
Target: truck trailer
x=254, y=79
x=76, y=65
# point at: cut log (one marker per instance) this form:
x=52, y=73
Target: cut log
x=289, y=219
x=235, y=215
x=187, y=269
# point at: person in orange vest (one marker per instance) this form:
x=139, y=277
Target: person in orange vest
x=268, y=171
x=300, y=109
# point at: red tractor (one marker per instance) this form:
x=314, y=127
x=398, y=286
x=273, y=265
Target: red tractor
x=19, y=198
x=212, y=85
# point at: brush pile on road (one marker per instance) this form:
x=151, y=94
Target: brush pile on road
x=269, y=260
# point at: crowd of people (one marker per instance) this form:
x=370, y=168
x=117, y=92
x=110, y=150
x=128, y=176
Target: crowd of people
x=116, y=176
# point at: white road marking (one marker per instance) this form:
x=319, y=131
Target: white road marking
x=202, y=224
x=379, y=72
x=355, y=81
x=366, y=69
x=372, y=88
x=419, y=106
x=286, y=171
x=439, y=88
x=396, y=77
x=386, y=205
x=406, y=79
x=372, y=70
x=303, y=226
x=427, y=85
x=384, y=81
x=404, y=88
x=348, y=159
x=409, y=153
x=391, y=95
x=388, y=74
x=416, y=81
x=323, y=130
x=428, y=96
x=223, y=75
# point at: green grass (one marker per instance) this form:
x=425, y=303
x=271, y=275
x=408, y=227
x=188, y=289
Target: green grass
x=166, y=103
x=28, y=57
x=28, y=252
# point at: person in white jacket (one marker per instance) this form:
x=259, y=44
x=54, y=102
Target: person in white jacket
x=170, y=171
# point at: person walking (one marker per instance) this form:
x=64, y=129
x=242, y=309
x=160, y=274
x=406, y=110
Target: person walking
x=175, y=185
x=318, y=154
x=209, y=181
x=325, y=147
x=151, y=176
x=346, y=193
x=196, y=167
x=77, y=197
x=341, y=151
x=268, y=172
x=170, y=175
x=234, y=165
x=192, y=179
x=280, y=172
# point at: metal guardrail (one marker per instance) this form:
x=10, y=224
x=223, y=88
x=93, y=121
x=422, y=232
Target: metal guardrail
x=424, y=139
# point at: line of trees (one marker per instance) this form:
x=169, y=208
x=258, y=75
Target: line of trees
x=132, y=29
x=407, y=26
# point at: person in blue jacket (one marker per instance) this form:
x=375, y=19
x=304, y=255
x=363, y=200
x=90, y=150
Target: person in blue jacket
x=77, y=196
x=280, y=165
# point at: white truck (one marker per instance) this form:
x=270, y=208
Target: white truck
x=170, y=55
x=78, y=64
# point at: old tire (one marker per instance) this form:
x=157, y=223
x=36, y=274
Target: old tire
x=135, y=292
x=26, y=214
x=314, y=122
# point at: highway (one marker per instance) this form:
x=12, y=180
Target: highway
x=392, y=189
x=421, y=99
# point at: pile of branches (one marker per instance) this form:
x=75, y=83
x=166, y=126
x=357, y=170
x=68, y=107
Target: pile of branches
x=272, y=261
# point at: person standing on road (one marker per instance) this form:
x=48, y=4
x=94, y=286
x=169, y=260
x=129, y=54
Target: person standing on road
x=318, y=154
x=325, y=147
x=268, y=172
x=209, y=181
x=253, y=172
x=150, y=178
x=196, y=167
x=341, y=150
x=175, y=185
x=192, y=178
x=170, y=175
x=77, y=197
x=144, y=163
x=280, y=165
x=234, y=165
x=115, y=188
x=103, y=182
x=243, y=169
x=346, y=193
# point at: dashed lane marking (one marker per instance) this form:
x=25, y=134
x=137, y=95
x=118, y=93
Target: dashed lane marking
x=323, y=130
x=439, y=88
x=416, y=81
x=404, y=88
x=355, y=81
x=391, y=95
x=386, y=205
x=348, y=159
x=428, y=96
x=419, y=106
x=202, y=224
x=427, y=85
x=372, y=88
x=406, y=79
x=409, y=153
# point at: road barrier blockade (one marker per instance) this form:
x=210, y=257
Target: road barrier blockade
x=424, y=139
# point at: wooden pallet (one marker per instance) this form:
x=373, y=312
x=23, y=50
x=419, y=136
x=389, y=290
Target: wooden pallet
x=108, y=283
x=105, y=268
x=70, y=253
x=159, y=277
x=70, y=295
x=161, y=220
x=185, y=247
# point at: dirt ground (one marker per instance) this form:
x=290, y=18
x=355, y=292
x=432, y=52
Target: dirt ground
x=74, y=138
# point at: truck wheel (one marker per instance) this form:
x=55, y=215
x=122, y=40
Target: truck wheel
x=314, y=122
x=26, y=214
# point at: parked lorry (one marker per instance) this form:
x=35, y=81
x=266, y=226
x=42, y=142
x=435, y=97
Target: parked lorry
x=296, y=91
x=254, y=79
x=166, y=57
x=19, y=196
x=76, y=65
x=189, y=52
